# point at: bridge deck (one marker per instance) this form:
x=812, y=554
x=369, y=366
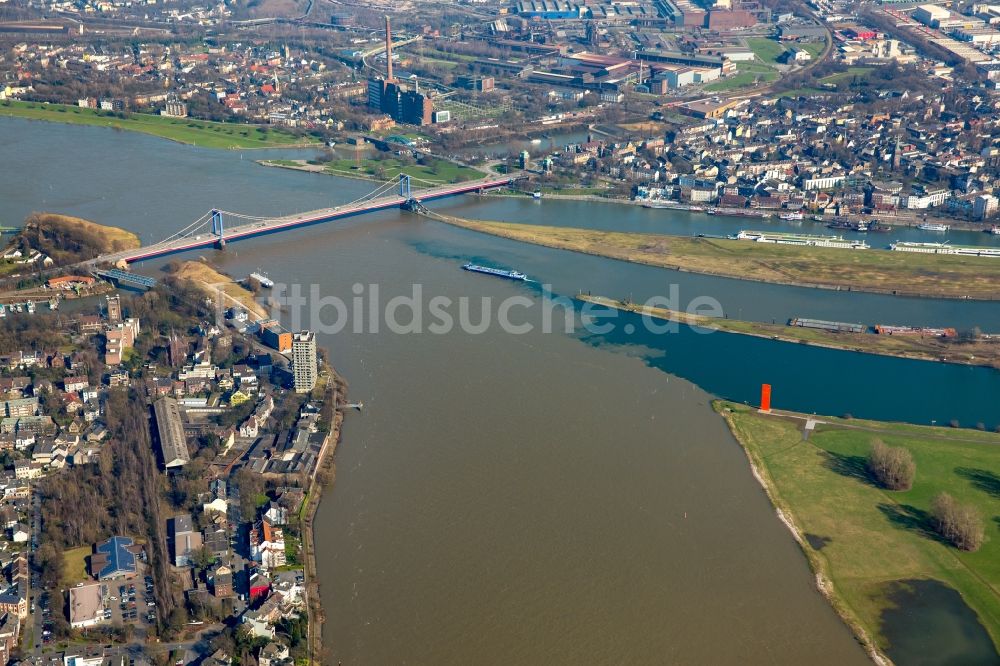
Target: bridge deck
x=275, y=225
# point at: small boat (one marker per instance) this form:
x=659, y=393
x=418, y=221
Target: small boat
x=537, y=194
x=3, y=310
x=792, y=216
x=31, y=307
x=498, y=272
x=933, y=226
x=262, y=279
x=536, y=141
x=995, y=230
x=53, y=303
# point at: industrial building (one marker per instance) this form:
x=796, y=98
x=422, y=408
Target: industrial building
x=685, y=76
x=276, y=338
x=550, y=9
x=931, y=15
x=170, y=433
x=478, y=83
x=386, y=95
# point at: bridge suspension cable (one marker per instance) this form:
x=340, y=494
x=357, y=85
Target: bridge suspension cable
x=194, y=227
x=189, y=229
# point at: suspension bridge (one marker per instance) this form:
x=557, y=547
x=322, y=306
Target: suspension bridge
x=215, y=228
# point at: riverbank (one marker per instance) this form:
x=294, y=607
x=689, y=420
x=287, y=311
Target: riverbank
x=214, y=283
x=809, y=225
x=985, y=352
x=60, y=240
x=874, y=271
x=189, y=131
x=381, y=171
x=862, y=540
x=322, y=478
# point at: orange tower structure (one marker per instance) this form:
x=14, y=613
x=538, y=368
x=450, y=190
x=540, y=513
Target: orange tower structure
x=765, y=397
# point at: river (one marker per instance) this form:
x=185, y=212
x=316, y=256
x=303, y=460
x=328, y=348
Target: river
x=535, y=498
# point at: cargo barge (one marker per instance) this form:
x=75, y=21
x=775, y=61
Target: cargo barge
x=498, y=272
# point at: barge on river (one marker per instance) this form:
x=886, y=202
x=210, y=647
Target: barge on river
x=945, y=248
x=498, y=272
x=807, y=240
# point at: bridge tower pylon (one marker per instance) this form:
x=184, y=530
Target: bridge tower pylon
x=404, y=186
x=218, y=228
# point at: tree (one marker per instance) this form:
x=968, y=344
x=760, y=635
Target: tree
x=203, y=558
x=49, y=560
x=960, y=524
x=892, y=467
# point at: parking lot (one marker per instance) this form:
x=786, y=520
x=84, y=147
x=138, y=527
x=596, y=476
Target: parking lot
x=130, y=601
x=125, y=602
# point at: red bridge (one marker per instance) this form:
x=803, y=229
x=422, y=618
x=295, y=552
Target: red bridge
x=211, y=230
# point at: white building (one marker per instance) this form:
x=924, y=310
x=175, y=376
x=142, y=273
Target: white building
x=931, y=15
x=821, y=182
x=86, y=606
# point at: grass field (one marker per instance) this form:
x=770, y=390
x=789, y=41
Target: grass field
x=767, y=50
x=813, y=48
x=848, y=75
x=182, y=130
x=441, y=171
x=862, y=538
x=740, y=80
x=75, y=569
x=747, y=74
x=903, y=273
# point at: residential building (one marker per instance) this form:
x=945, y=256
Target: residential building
x=304, y=361
x=184, y=540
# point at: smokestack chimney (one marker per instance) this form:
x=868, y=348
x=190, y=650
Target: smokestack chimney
x=388, y=50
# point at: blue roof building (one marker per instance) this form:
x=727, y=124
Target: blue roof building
x=113, y=559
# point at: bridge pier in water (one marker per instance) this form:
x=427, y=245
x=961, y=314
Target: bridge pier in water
x=218, y=229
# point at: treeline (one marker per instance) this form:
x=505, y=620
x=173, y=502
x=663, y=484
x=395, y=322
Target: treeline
x=118, y=493
x=41, y=332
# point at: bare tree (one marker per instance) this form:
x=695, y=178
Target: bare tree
x=892, y=467
x=960, y=524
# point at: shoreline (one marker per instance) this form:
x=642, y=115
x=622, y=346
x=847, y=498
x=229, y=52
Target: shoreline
x=323, y=478
x=322, y=170
x=128, y=124
x=212, y=281
x=669, y=261
x=782, y=333
x=823, y=581
x=957, y=225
